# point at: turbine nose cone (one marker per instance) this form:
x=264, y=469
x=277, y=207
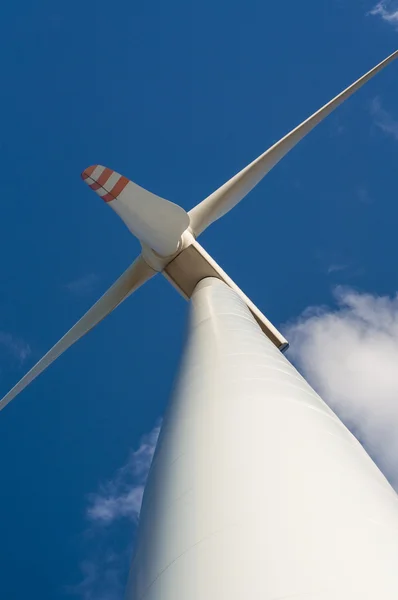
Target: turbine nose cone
x=105, y=182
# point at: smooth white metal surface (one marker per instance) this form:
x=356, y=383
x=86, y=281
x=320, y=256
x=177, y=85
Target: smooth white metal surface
x=153, y=220
x=257, y=491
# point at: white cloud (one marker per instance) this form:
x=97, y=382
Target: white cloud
x=112, y=504
x=14, y=347
x=84, y=285
x=336, y=268
x=122, y=495
x=101, y=581
x=350, y=356
x=387, y=10
x=383, y=119
x=105, y=571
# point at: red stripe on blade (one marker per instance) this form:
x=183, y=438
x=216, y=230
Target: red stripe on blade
x=119, y=186
x=103, y=178
x=108, y=198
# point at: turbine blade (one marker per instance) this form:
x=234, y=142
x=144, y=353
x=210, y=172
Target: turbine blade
x=233, y=191
x=155, y=221
x=135, y=276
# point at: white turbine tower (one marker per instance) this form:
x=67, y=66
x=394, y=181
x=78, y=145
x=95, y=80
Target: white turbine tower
x=257, y=490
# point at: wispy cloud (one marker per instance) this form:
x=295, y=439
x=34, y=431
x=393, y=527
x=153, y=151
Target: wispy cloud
x=14, y=347
x=102, y=580
x=336, y=128
x=105, y=570
x=383, y=119
x=83, y=285
x=363, y=195
x=350, y=355
x=336, y=268
x=122, y=495
x=387, y=10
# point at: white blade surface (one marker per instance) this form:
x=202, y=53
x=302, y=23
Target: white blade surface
x=135, y=276
x=232, y=192
x=153, y=220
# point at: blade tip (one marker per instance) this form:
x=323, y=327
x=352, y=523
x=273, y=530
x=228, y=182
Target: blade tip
x=88, y=172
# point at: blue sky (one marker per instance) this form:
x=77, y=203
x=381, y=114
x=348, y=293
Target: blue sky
x=177, y=96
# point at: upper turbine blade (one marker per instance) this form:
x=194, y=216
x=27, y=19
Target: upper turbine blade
x=135, y=276
x=153, y=220
x=233, y=191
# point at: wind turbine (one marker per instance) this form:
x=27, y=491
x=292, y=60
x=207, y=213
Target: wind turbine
x=256, y=490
